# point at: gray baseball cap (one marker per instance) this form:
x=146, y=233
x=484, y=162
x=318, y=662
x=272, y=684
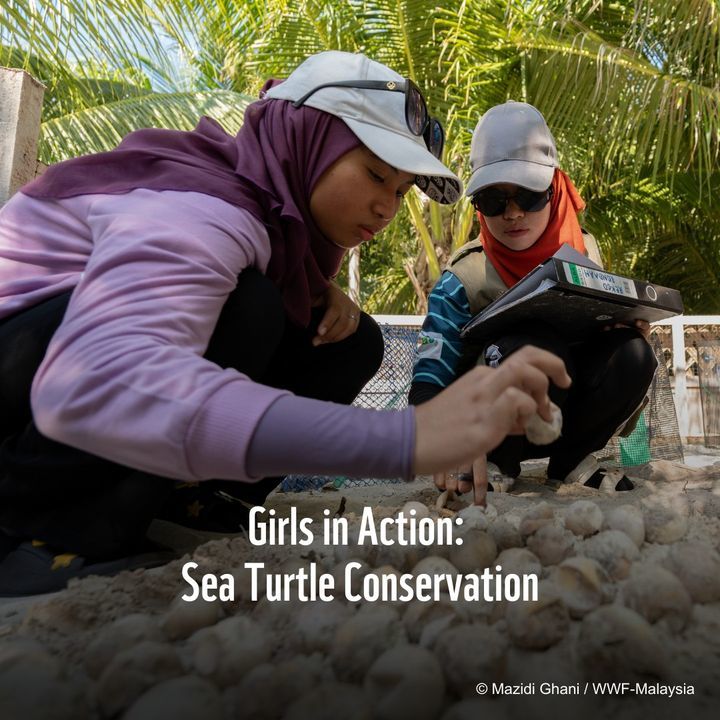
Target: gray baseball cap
x=377, y=117
x=512, y=144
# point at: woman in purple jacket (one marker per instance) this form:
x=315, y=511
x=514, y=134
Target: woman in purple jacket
x=167, y=313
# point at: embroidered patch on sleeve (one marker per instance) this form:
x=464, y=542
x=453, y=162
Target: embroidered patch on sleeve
x=429, y=345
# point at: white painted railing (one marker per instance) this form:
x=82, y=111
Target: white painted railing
x=686, y=391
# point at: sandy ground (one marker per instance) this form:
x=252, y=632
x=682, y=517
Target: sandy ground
x=74, y=634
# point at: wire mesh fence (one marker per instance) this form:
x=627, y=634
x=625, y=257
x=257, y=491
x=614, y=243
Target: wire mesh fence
x=708, y=370
x=656, y=435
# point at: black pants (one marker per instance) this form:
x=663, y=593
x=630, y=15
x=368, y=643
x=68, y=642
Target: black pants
x=611, y=373
x=90, y=506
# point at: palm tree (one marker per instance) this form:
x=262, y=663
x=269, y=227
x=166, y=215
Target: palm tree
x=108, y=68
x=630, y=90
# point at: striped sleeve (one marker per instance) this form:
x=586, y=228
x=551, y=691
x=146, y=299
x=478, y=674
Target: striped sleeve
x=439, y=345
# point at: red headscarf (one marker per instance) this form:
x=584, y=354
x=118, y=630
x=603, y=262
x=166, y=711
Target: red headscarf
x=563, y=227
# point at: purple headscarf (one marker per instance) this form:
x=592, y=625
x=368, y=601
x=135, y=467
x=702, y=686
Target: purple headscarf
x=269, y=168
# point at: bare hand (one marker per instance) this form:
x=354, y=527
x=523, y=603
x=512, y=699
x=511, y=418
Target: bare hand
x=479, y=410
x=480, y=481
x=466, y=478
x=459, y=480
x=341, y=317
x=643, y=327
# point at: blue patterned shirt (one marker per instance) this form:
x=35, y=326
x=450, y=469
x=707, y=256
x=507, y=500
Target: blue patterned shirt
x=439, y=345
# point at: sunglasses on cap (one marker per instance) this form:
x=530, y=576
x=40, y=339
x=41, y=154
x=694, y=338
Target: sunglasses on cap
x=492, y=202
x=417, y=116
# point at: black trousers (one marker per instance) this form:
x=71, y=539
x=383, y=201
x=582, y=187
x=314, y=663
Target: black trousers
x=90, y=506
x=611, y=373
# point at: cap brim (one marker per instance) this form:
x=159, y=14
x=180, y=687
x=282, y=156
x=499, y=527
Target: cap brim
x=432, y=177
x=515, y=172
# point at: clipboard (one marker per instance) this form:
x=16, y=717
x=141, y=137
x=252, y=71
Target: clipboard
x=577, y=297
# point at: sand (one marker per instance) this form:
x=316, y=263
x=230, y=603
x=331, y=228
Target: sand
x=302, y=658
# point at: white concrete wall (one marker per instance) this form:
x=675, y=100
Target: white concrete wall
x=21, y=98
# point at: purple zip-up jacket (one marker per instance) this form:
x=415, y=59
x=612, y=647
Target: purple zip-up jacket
x=124, y=377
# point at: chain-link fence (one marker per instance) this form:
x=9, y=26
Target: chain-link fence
x=388, y=388
x=656, y=435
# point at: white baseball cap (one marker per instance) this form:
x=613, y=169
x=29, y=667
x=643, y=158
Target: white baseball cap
x=512, y=144
x=377, y=117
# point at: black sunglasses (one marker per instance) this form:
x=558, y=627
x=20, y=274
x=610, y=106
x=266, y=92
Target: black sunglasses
x=492, y=202
x=417, y=116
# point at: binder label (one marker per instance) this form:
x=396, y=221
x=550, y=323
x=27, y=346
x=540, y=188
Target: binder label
x=599, y=280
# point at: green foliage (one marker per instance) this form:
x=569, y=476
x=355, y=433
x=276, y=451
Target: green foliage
x=630, y=88
x=385, y=282
x=631, y=92
x=102, y=127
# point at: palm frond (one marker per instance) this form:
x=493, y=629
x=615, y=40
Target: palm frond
x=102, y=127
x=390, y=293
